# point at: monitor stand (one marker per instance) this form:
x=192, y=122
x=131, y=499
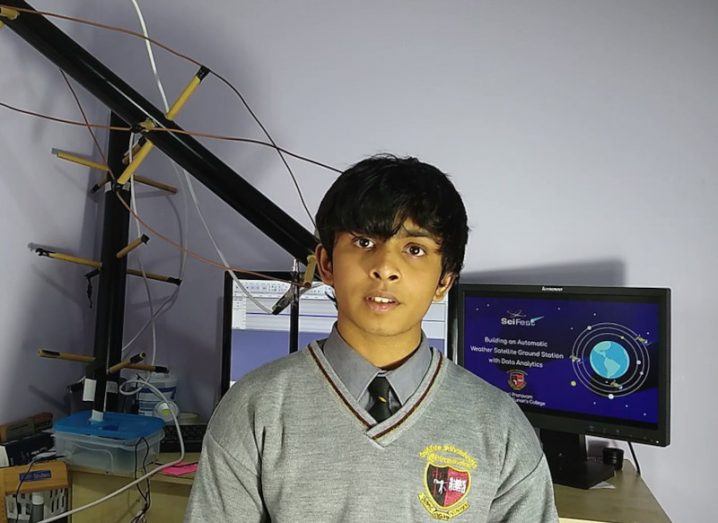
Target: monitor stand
x=567, y=460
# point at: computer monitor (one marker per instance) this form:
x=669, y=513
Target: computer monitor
x=253, y=337
x=577, y=360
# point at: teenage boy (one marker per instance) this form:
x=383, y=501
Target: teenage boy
x=372, y=424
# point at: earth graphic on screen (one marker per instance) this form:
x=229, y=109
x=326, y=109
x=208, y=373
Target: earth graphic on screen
x=609, y=359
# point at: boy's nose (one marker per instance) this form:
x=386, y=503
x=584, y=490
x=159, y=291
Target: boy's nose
x=384, y=268
x=385, y=275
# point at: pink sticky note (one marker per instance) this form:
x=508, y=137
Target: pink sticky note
x=180, y=469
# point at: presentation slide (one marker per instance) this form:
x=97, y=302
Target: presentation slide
x=593, y=358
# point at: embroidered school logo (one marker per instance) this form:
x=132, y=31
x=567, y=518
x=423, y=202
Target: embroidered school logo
x=517, y=379
x=447, y=481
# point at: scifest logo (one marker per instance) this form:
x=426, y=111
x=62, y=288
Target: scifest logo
x=518, y=319
x=447, y=481
x=517, y=379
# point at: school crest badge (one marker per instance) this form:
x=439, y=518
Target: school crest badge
x=517, y=379
x=447, y=481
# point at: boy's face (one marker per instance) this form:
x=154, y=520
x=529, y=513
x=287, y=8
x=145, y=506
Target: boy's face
x=384, y=287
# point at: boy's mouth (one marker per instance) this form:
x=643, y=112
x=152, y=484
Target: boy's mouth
x=381, y=302
x=380, y=299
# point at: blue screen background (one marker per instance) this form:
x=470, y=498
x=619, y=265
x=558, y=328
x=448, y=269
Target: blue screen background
x=557, y=384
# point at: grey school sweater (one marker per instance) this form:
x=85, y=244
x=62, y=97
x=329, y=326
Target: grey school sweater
x=289, y=443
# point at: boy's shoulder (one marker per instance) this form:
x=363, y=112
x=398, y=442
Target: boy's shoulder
x=260, y=395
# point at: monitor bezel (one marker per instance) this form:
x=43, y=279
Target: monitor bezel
x=227, y=319
x=566, y=422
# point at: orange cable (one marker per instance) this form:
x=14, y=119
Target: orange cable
x=171, y=130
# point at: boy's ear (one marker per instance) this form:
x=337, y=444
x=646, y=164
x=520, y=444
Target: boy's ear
x=445, y=283
x=324, y=264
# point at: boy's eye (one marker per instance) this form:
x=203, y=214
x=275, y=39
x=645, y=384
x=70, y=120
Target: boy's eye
x=416, y=250
x=364, y=243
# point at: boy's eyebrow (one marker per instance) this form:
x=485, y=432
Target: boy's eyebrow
x=415, y=233
x=403, y=232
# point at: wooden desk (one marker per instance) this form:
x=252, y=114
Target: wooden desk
x=169, y=494
x=630, y=502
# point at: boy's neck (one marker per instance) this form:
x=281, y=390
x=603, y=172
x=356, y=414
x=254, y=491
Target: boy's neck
x=385, y=352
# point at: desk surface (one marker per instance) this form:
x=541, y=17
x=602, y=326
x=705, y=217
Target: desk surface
x=169, y=494
x=630, y=501
x=165, y=457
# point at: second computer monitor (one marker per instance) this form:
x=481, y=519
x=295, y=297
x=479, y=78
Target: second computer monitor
x=254, y=337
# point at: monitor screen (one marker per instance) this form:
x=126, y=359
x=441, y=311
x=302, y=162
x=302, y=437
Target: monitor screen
x=254, y=337
x=576, y=359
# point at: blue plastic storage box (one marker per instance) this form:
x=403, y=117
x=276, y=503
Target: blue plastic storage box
x=119, y=444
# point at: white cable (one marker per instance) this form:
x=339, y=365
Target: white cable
x=133, y=206
x=150, y=53
x=149, y=474
x=172, y=298
x=188, y=181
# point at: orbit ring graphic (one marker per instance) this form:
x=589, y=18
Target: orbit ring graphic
x=638, y=367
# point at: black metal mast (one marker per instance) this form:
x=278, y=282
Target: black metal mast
x=111, y=287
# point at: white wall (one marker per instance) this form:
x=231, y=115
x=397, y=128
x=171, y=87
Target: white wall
x=43, y=302
x=581, y=135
